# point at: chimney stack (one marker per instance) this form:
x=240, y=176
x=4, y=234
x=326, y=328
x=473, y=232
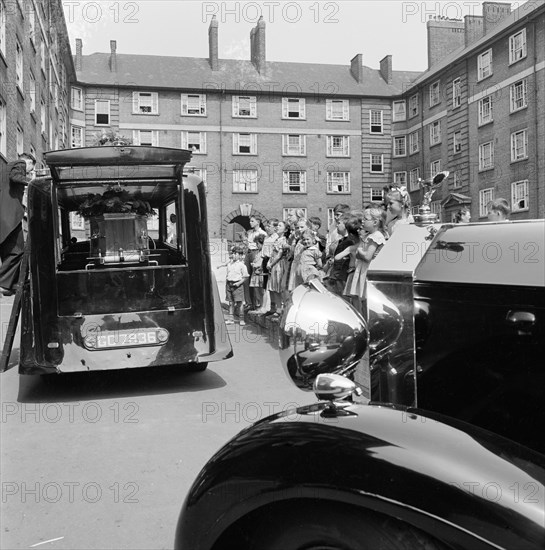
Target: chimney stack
x=257, y=45
x=213, y=44
x=493, y=13
x=444, y=36
x=386, y=69
x=473, y=28
x=356, y=67
x=113, y=57
x=79, y=50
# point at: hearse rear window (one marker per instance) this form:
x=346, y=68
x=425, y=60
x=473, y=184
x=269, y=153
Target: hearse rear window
x=507, y=253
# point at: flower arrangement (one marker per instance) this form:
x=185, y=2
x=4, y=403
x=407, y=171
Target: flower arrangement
x=115, y=200
x=110, y=138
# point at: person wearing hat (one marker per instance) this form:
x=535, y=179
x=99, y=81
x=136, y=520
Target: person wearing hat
x=12, y=188
x=398, y=212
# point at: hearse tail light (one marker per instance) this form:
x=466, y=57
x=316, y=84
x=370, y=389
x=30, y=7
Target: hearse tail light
x=162, y=335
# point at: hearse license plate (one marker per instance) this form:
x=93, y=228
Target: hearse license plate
x=127, y=338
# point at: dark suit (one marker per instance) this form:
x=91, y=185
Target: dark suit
x=12, y=188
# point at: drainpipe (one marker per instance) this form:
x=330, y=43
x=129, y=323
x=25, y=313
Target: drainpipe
x=220, y=170
x=536, y=125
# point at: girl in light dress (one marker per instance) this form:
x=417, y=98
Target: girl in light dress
x=278, y=270
x=352, y=226
x=398, y=203
x=372, y=239
x=297, y=249
x=310, y=262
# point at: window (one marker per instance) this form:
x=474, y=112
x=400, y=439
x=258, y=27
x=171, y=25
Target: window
x=77, y=98
x=486, y=156
x=484, y=65
x=518, y=95
x=517, y=46
x=414, y=146
x=287, y=211
x=76, y=136
x=244, y=144
x=400, y=146
x=145, y=137
x=193, y=104
x=485, y=110
x=194, y=141
x=20, y=140
x=102, y=112
x=3, y=127
x=377, y=163
x=413, y=105
x=519, y=196
x=2, y=28
x=456, y=179
x=19, y=65
x=43, y=127
x=435, y=133
x=435, y=167
x=293, y=107
x=244, y=181
x=32, y=92
x=519, y=145
x=399, y=112
x=435, y=96
x=377, y=194
x=337, y=109
x=456, y=93
x=375, y=122
x=338, y=146
x=400, y=178
x=485, y=196
x=201, y=172
x=244, y=106
x=145, y=103
x=414, y=176
x=338, y=182
x=436, y=208
x=294, y=181
x=294, y=144
x=76, y=221
x=457, y=142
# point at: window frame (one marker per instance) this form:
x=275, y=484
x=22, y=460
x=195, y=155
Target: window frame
x=19, y=65
x=302, y=182
x=345, y=148
x=236, y=106
x=345, y=184
x=184, y=103
x=137, y=137
x=414, y=142
x=435, y=136
x=403, y=178
x=435, y=167
x=485, y=196
x=414, y=107
x=414, y=177
x=106, y=101
x=185, y=141
x=236, y=143
x=81, y=131
x=481, y=121
x=513, y=141
x=457, y=142
x=512, y=95
x=254, y=183
x=526, y=196
x=512, y=50
x=402, y=115
x=400, y=139
x=286, y=108
x=77, y=106
x=481, y=68
x=286, y=146
x=345, y=110
x=381, y=112
x=137, y=103
x=456, y=93
x=381, y=155
x=3, y=28
x=435, y=93
x=489, y=145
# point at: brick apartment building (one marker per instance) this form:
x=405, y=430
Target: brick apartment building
x=478, y=111
x=271, y=135
x=36, y=69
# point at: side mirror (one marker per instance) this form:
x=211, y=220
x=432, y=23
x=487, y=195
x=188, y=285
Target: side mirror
x=320, y=333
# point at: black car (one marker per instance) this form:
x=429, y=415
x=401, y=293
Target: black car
x=448, y=453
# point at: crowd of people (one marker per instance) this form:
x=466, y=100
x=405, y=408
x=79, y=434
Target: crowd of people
x=275, y=256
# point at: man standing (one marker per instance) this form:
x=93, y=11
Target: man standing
x=12, y=210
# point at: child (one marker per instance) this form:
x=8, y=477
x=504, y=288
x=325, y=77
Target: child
x=256, y=279
x=338, y=272
x=277, y=266
x=296, y=251
x=237, y=273
x=310, y=261
x=398, y=204
x=352, y=226
x=315, y=224
x=372, y=240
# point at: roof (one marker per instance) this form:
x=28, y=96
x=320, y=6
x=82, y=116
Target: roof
x=193, y=73
x=457, y=198
x=516, y=16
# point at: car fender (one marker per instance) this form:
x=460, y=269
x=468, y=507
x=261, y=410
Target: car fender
x=466, y=486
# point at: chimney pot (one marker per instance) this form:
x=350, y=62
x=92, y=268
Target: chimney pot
x=257, y=45
x=356, y=67
x=386, y=69
x=444, y=36
x=213, y=44
x=473, y=28
x=493, y=13
x=113, y=56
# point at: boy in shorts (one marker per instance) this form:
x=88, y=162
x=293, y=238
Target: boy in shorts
x=237, y=273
